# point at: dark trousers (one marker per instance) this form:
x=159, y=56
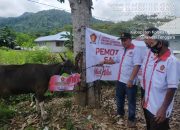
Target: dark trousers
x=121, y=91
x=142, y=93
x=152, y=124
x=144, y=110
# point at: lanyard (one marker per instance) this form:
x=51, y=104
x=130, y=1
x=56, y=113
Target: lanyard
x=120, y=67
x=150, y=85
x=144, y=74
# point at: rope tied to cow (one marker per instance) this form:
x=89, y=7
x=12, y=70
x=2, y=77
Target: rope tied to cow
x=79, y=64
x=97, y=81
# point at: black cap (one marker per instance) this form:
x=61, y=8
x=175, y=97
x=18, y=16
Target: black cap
x=125, y=35
x=151, y=31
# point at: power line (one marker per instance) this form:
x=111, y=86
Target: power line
x=48, y=5
x=100, y=18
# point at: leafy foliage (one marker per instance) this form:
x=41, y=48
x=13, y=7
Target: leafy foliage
x=68, y=43
x=5, y=112
x=32, y=25
x=7, y=37
x=21, y=57
x=38, y=23
x=24, y=40
x=138, y=23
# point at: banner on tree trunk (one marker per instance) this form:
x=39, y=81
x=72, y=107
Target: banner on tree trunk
x=103, y=47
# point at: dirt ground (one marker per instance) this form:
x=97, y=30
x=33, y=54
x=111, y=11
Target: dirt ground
x=64, y=115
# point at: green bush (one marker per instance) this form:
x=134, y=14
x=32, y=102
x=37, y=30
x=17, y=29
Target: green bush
x=5, y=48
x=11, y=57
x=36, y=57
x=6, y=112
x=69, y=124
x=15, y=99
x=70, y=55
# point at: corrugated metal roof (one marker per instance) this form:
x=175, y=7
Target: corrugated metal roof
x=172, y=27
x=56, y=37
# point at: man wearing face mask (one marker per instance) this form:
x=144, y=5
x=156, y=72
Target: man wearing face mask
x=149, y=56
x=161, y=84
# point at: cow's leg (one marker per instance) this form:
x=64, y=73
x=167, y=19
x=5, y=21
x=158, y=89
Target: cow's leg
x=43, y=112
x=40, y=103
x=37, y=105
x=39, y=92
x=32, y=100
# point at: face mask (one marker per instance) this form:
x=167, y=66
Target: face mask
x=155, y=49
x=148, y=46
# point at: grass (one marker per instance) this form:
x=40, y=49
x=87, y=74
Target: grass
x=6, y=112
x=8, y=56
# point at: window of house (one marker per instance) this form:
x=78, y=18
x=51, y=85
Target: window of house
x=59, y=43
x=42, y=44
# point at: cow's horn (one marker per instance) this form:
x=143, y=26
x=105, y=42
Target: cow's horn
x=63, y=59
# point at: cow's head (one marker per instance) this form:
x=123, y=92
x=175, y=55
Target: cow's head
x=67, y=66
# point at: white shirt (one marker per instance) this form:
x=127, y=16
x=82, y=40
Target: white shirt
x=162, y=74
x=128, y=59
x=179, y=70
x=149, y=57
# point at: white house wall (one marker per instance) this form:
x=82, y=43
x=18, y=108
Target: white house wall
x=53, y=48
x=175, y=43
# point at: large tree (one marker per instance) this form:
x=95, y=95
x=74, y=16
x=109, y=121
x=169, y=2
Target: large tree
x=7, y=37
x=81, y=16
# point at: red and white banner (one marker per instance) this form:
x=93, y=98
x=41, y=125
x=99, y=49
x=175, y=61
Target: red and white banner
x=62, y=83
x=100, y=47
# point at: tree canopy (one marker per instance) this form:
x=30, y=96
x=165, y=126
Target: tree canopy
x=7, y=37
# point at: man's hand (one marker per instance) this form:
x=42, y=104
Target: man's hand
x=100, y=63
x=110, y=62
x=129, y=83
x=133, y=75
x=160, y=115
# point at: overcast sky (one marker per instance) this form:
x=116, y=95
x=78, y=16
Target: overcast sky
x=115, y=10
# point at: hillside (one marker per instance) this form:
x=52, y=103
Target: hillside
x=43, y=21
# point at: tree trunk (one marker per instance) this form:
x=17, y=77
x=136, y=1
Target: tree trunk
x=81, y=15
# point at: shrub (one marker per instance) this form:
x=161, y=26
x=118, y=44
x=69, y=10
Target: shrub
x=6, y=112
x=38, y=56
